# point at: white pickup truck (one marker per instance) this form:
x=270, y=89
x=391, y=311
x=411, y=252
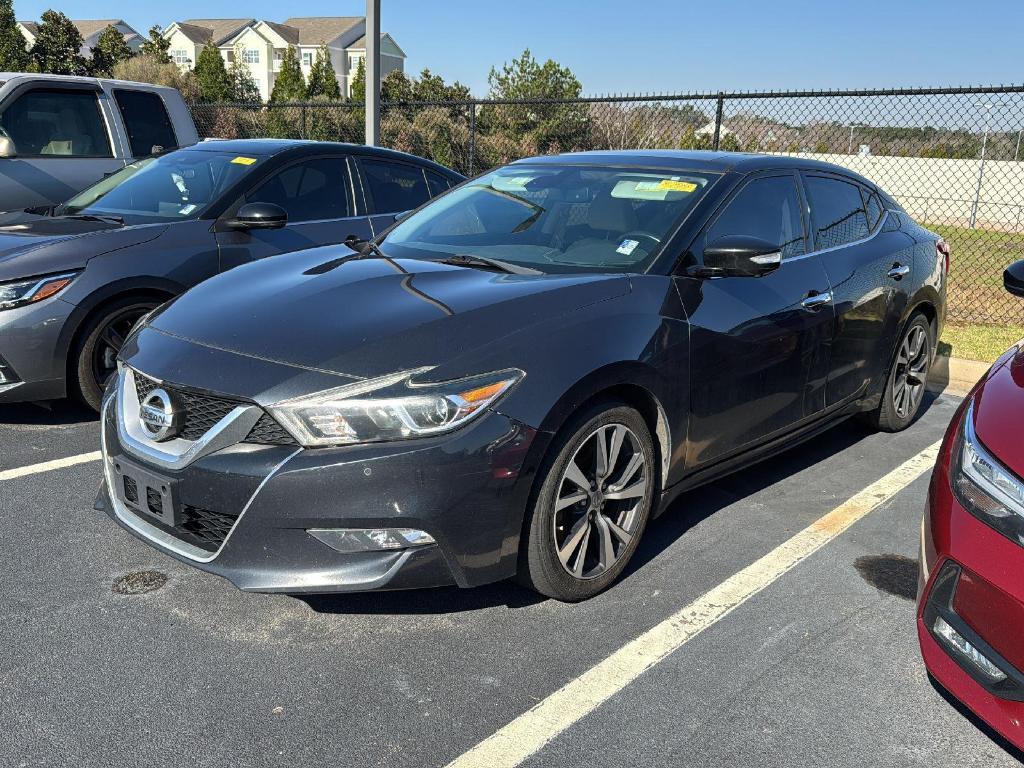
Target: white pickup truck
x=59, y=134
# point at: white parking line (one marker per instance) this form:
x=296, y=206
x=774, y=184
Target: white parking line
x=529, y=732
x=48, y=466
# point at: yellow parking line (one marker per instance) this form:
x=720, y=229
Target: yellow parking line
x=48, y=466
x=529, y=732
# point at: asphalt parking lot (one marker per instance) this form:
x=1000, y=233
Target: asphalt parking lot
x=820, y=667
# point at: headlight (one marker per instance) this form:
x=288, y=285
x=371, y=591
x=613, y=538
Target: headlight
x=391, y=408
x=986, y=488
x=30, y=291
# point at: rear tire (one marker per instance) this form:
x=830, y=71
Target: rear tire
x=905, y=384
x=95, y=355
x=592, y=505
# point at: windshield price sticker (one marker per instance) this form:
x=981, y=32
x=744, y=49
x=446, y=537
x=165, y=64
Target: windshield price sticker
x=244, y=160
x=627, y=246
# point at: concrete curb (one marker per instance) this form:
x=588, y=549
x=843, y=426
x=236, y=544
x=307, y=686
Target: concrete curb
x=955, y=375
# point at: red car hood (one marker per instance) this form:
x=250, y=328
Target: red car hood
x=999, y=410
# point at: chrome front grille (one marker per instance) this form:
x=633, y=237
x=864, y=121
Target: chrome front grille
x=203, y=411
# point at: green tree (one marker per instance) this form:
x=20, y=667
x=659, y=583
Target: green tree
x=289, y=84
x=109, y=51
x=729, y=143
x=396, y=87
x=156, y=45
x=357, y=90
x=243, y=85
x=13, y=53
x=431, y=87
x=211, y=74
x=323, y=83
x=146, y=68
x=548, y=127
x=58, y=46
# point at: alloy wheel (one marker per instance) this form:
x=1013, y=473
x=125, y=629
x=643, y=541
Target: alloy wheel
x=110, y=341
x=911, y=372
x=599, y=500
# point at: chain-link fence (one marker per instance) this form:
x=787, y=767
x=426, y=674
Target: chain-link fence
x=952, y=157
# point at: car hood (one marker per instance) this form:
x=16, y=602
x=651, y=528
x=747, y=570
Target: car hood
x=40, y=245
x=370, y=317
x=999, y=410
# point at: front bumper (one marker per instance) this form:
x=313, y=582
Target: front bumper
x=467, y=490
x=32, y=351
x=970, y=575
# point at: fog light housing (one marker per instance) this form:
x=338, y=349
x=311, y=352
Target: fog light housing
x=7, y=375
x=962, y=646
x=352, y=540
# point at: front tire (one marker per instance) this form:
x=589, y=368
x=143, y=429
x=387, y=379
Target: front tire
x=594, y=501
x=905, y=386
x=95, y=359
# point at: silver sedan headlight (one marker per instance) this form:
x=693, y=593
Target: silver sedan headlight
x=392, y=407
x=35, y=289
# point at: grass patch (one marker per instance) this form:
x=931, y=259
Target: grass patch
x=979, y=342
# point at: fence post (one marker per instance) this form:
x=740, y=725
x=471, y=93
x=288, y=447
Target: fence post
x=718, y=120
x=472, y=137
x=302, y=121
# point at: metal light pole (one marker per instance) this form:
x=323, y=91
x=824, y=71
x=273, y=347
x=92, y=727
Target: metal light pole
x=988, y=106
x=372, y=72
x=849, y=148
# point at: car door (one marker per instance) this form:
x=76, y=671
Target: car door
x=62, y=144
x=758, y=345
x=391, y=187
x=317, y=195
x=865, y=277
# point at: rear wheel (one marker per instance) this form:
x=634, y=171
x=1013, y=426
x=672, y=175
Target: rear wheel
x=95, y=359
x=593, y=504
x=905, y=387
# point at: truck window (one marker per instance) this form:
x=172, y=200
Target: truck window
x=47, y=122
x=146, y=121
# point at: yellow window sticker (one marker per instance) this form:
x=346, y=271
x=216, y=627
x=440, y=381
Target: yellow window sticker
x=677, y=186
x=244, y=160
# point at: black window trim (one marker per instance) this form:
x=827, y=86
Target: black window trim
x=804, y=174
x=242, y=198
x=368, y=195
x=61, y=87
x=124, y=122
x=767, y=173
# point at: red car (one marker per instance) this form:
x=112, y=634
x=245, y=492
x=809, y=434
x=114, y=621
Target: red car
x=970, y=612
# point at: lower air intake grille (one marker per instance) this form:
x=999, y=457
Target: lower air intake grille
x=204, y=528
x=268, y=432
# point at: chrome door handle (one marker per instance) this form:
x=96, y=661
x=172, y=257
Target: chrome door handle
x=898, y=272
x=816, y=301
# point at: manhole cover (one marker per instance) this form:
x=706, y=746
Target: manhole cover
x=139, y=583
x=894, y=574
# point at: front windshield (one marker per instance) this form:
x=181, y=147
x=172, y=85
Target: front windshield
x=173, y=187
x=554, y=218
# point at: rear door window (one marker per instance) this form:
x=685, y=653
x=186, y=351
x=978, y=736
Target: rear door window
x=436, y=183
x=393, y=187
x=146, y=121
x=766, y=208
x=47, y=122
x=311, y=190
x=837, y=210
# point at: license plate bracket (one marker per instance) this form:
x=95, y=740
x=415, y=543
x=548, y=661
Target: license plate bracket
x=144, y=492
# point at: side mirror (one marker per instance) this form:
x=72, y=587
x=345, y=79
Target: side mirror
x=7, y=147
x=259, y=216
x=1013, y=278
x=739, y=256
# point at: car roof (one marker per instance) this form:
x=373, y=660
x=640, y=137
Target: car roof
x=686, y=159
x=299, y=147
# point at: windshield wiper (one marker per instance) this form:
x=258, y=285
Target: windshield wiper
x=483, y=262
x=93, y=217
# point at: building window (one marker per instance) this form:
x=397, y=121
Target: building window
x=353, y=62
x=180, y=56
x=307, y=58
x=279, y=54
x=251, y=56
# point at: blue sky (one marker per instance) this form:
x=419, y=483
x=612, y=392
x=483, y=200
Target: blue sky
x=660, y=45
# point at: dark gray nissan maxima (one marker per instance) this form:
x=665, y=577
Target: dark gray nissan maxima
x=516, y=377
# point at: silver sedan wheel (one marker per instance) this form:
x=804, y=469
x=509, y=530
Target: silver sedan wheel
x=911, y=372
x=599, y=501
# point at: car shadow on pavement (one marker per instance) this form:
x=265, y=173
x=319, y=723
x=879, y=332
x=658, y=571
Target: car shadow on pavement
x=685, y=513
x=48, y=414
x=976, y=721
